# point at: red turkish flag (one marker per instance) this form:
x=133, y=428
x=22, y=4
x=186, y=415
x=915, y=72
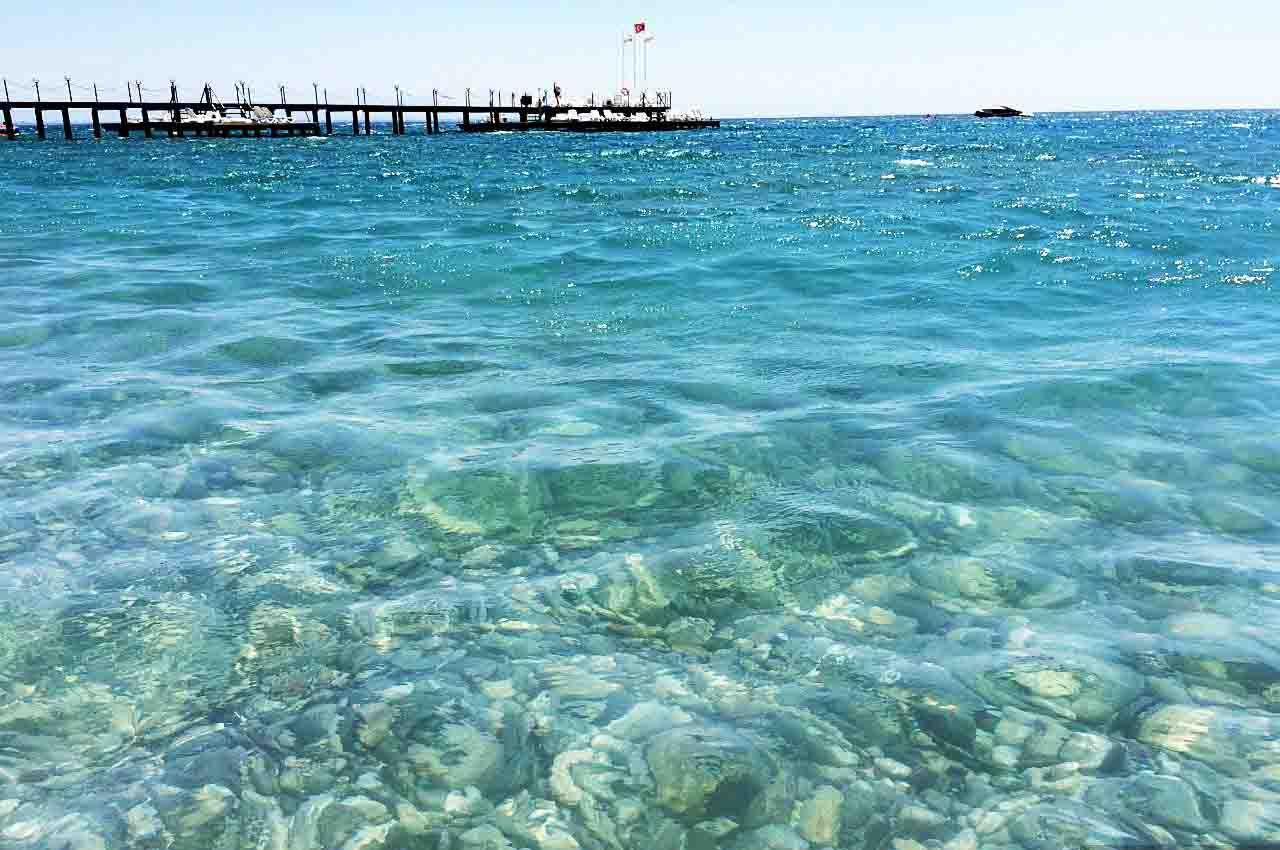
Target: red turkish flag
x=640, y=27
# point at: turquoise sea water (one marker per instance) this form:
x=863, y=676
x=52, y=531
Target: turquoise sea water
x=861, y=483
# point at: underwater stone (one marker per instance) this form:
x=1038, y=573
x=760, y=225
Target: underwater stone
x=1067, y=824
x=703, y=772
x=534, y=822
x=859, y=803
x=1192, y=730
x=646, y=719
x=921, y=822
x=368, y=838
x=818, y=818
x=771, y=837
x=564, y=788
x=1251, y=820
x=691, y=632
x=947, y=723
x=143, y=823
x=374, y=723
x=464, y=756
x=892, y=768
x=207, y=804
x=966, y=578
x=818, y=740
x=634, y=592
x=263, y=821
x=1166, y=800
x=485, y=837
x=1073, y=686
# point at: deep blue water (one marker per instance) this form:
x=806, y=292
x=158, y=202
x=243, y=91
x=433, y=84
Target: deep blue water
x=864, y=483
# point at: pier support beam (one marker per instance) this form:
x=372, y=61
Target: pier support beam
x=466, y=117
x=146, y=124
x=39, y=123
x=328, y=123
x=355, y=122
x=9, y=129
x=66, y=123
x=177, y=123
x=368, y=123
x=97, y=124
x=124, y=123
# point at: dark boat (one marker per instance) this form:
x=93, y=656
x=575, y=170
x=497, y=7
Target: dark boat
x=1000, y=112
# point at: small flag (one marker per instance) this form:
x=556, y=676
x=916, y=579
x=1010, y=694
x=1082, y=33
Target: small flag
x=639, y=27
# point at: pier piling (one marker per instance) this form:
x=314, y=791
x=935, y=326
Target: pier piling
x=124, y=123
x=39, y=122
x=368, y=123
x=9, y=129
x=146, y=123
x=66, y=121
x=97, y=123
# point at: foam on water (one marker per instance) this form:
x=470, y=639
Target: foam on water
x=681, y=491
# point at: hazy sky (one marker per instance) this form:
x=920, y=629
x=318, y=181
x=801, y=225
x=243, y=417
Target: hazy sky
x=805, y=57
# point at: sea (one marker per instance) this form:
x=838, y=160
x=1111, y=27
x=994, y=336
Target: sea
x=867, y=483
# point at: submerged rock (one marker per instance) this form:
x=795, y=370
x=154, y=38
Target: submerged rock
x=1233, y=742
x=1072, y=686
x=703, y=772
x=772, y=837
x=1166, y=800
x=818, y=818
x=1251, y=820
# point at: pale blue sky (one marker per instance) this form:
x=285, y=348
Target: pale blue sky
x=807, y=57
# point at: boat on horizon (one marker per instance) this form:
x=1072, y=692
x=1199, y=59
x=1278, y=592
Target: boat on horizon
x=1001, y=112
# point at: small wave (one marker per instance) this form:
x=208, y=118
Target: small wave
x=1273, y=182
x=910, y=163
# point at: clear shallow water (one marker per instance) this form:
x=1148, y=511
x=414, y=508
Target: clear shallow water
x=856, y=483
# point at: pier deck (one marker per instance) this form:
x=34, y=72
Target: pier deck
x=592, y=126
x=158, y=117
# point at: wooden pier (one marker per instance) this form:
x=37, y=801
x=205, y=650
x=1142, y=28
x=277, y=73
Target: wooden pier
x=166, y=118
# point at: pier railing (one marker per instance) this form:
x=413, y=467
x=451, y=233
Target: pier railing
x=168, y=116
